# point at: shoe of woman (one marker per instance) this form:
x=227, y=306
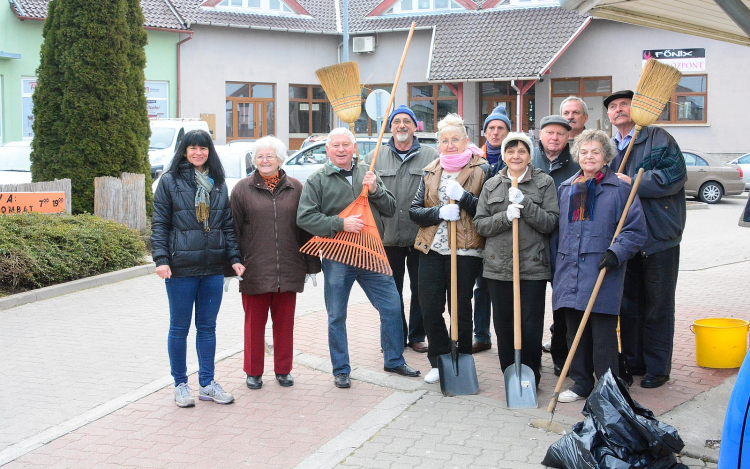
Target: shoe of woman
x=432, y=377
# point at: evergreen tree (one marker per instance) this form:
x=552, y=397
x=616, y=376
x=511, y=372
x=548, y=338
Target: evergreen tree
x=90, y=116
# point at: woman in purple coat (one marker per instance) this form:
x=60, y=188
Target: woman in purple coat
x=591, y=203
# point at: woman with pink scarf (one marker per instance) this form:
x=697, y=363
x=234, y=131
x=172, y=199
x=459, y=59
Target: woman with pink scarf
x=448, y=191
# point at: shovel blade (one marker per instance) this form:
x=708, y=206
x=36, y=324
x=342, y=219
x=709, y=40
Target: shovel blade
x=458, y=377
x=520, y=387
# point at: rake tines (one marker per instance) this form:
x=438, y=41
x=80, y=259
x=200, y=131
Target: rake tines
x=361, y=250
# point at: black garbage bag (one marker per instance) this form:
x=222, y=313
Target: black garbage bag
x=616, y=433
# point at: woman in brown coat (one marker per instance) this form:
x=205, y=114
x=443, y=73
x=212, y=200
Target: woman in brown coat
x=264, y=210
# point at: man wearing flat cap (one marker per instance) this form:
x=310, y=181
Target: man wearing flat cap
x=399, y=165
x=552, y=156
x=647, y=311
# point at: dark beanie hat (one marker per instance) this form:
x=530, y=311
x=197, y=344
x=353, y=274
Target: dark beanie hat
x=402, y=110
x=498, y=113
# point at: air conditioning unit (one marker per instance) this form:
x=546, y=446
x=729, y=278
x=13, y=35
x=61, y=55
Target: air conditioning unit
x=363, y=44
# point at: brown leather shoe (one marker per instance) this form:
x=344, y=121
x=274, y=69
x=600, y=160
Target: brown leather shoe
x=419, y=347
x=478, y=346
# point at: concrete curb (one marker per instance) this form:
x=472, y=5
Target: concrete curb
x=697, y=206
x=76, y=285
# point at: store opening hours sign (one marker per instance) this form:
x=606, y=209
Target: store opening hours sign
x=684, y=60
x=24, y=202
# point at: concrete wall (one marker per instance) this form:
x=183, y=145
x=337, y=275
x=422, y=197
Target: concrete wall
x=217, y=55
x=161, y=62
x=608, y=48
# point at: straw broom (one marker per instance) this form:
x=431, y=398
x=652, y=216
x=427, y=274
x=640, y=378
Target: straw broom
x=657, y=84
x=364, y=249
x=341, y=84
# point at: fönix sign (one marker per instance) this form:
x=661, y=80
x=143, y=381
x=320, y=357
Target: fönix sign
x=684, y=60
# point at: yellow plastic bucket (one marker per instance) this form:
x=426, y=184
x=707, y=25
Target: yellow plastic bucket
x=720, y=342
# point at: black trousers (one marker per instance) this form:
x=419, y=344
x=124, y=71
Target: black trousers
x=532, y=322
x=597, y=349
x=402, y=259
x=559, y=330
x=647, y=311
x=434, y=291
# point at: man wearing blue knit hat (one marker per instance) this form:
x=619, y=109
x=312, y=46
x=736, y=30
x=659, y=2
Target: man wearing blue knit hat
x=399, y=165
x=496, y=128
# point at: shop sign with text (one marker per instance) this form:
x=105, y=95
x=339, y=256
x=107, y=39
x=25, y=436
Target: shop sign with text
x=684, y=60
x=24, y=202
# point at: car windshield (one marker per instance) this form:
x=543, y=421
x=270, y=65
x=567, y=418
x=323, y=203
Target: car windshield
x=161, y=138
x=232, y=166
x=15, y=159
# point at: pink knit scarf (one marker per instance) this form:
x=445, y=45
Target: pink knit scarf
x=455, y=162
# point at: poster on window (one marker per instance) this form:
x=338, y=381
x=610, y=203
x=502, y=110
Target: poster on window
x=157, y=99
x=684, y=60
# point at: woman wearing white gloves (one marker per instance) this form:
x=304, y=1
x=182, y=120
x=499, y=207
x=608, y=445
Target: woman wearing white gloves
x=448, y=192
x=534, y=204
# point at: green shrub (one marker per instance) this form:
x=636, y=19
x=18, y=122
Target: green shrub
x=37, y=250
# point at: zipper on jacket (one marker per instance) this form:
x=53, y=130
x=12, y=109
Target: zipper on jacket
x=276, y=233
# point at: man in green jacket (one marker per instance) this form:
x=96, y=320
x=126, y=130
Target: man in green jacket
x=326, y=193
x=399, y=165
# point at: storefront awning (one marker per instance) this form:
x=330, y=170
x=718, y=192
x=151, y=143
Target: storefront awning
x=723, y=20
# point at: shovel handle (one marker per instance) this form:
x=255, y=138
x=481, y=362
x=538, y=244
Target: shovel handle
x=516, y=280
x=592, y=299
x=454, y=281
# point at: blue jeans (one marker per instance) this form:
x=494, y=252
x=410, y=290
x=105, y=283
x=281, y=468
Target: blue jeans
x=205, y=293
x=381, y=291
x=482, y=311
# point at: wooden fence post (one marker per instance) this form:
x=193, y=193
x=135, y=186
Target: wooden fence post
x=121, y=199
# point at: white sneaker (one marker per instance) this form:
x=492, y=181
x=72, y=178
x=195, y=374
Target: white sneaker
x=547, y=346
x=214, y=392
x=182, y=396
x=569, y=396
x=432, y=377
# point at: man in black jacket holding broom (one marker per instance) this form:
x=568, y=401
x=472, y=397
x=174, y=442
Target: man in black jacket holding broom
x=647, y=311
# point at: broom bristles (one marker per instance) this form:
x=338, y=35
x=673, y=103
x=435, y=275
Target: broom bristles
x=657, y=84
x=341, y=84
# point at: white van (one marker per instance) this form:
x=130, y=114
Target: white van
x=166, y=135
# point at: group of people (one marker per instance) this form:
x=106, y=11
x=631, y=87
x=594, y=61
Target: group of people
x=565, y=193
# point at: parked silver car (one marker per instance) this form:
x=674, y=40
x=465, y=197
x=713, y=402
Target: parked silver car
x=744, y=163
x=709, y=179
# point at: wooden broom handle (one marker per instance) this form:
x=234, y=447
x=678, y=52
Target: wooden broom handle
x=390, y=101
x=594, y=294
x=454, y=280
x=516, y=280
x=630, y=147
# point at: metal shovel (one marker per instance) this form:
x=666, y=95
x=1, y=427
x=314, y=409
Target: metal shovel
x=520, y=383
x=458, y=374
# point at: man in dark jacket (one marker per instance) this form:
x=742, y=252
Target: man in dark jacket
x=552, y=156
x=326, y=193
x=647, y=312
x=496, y=127
x=399, y=164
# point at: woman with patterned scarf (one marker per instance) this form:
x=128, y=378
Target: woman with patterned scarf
x=591, y=203
x=448, y=192
x=534, y=204
x=192, y=240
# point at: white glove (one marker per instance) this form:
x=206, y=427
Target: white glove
x=313, y=277
x=450, y=212
x=513, y=211
x=515, y=195
x=229, y=279
x=454, y=190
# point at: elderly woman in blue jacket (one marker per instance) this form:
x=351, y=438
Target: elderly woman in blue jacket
x=192, y=240
x=591, y=203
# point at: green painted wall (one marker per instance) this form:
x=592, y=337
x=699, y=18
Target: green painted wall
x=25, y=38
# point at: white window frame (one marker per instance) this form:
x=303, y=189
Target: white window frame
x=398, y=9
x=24, y=117
x=265, y=7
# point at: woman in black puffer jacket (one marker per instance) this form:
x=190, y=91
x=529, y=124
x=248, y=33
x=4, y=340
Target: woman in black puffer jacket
x=192, y=240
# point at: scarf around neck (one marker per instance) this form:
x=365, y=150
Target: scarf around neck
x=493, y=153
x=582, y=195
x=271, y=181
x=204, y=185
x=455, y=162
